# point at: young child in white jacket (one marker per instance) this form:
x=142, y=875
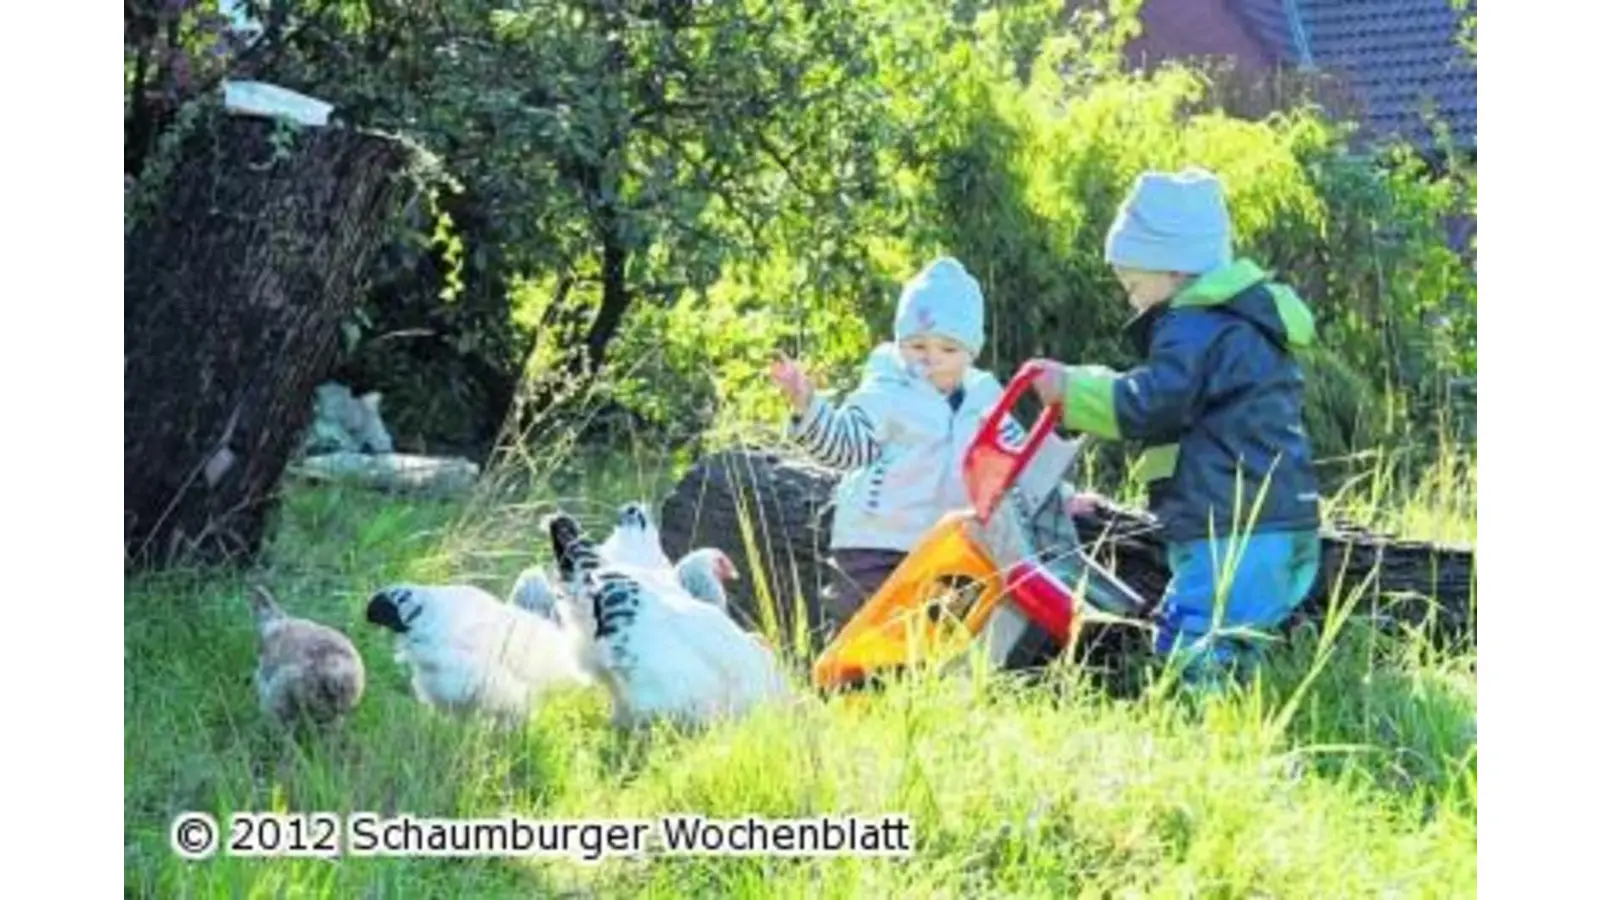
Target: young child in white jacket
x=902, y=433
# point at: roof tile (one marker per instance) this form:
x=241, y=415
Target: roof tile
x=1400, y=56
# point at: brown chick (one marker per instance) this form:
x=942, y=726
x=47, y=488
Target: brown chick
x=306, y=672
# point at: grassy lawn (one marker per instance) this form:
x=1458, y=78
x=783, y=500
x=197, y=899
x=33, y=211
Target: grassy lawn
x=1349, y=771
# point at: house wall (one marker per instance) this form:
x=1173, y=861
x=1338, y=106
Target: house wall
x=1189, y=28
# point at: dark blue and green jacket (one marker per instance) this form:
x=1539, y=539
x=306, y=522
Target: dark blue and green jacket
x=1217, y=404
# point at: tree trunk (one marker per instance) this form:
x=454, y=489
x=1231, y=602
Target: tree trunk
x=234, y=290
x=614, y=300
x=779, y=507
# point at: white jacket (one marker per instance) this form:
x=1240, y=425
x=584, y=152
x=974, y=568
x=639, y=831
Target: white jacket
x=902, y=445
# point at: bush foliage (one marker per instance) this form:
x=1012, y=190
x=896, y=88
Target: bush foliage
x=656, y=196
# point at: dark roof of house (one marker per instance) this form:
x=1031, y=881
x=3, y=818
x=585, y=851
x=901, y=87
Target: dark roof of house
x=1401, y=57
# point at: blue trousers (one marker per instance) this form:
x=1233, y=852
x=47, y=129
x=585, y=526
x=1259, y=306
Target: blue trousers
x=1223, y=588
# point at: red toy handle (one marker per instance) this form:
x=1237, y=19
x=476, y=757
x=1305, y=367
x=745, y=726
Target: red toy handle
x=990, y=467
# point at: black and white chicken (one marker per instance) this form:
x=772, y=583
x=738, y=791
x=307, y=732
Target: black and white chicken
x=636, y=541
x=701, y=572
x=470, y=652
x=662, y=653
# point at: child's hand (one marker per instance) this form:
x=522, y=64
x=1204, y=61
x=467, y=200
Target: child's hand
x=1052, y=381
x=1084, y=504
x=792, y=381
x=1051, y=384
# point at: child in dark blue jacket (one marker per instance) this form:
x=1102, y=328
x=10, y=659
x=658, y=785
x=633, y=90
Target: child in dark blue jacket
x=1217, y=404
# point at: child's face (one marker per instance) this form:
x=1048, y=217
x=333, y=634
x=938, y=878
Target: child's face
x=1146, y=289
x=941, y=360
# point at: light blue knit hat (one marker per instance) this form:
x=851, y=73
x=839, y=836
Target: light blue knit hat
x=942, y=299
x=1172, y=222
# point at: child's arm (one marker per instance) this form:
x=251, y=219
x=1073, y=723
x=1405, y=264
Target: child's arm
x=1152, y=400
x=843, y=437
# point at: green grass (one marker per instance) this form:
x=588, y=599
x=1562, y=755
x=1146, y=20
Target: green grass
x=1349, y=771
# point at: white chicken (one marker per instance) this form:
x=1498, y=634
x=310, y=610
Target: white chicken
x=703, y=572
x=635, y=541
x=533, y=592
x=470, y=652
x=662, y=653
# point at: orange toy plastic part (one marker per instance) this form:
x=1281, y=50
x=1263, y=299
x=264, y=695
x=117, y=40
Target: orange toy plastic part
x=931, y=606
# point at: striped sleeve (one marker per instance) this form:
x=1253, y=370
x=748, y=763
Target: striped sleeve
x=842, y=437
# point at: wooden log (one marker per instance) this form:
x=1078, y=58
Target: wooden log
x=771, y=512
